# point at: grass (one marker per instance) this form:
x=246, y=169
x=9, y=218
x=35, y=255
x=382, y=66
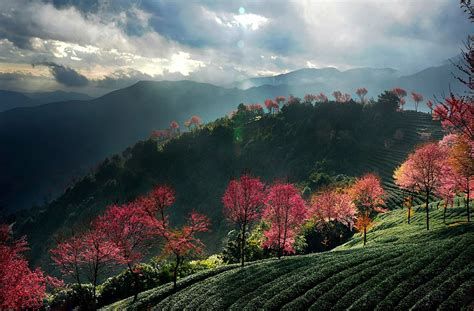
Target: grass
x=402, y=267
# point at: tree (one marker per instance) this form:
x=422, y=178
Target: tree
x=280, y=100
x=461, y=163
x=292, y=100
x=98, y=254
x=160, y=134
x=331, y=205
x=404, y=179
x=243, y=200
x=193, y=123
x=174, y=128
x=368, y=196
x=341, y=98
x=20, y=287
x=466, y=65
x=152, y=208
x=400, y=93
x=181, y=242
x=417, y=98
x=67, y=256
x=271, y=105
x=284, y=210
x=129, y=228
x=321, y=98
x=457, y=116
x=361, y=92
x=429, y=104
x=309, y=98
x=425, y=169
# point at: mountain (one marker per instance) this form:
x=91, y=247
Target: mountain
x=67, y=138
x=57, y=96
x=10, y=99
x=402, y=267
x=50, y=144
x=327, y=76
x=436, y=81
x=310, y=145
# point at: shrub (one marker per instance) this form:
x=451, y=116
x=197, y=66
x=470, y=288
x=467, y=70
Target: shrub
x=75, y=296
x=120, y=286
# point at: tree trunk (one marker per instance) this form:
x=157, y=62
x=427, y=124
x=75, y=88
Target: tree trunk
x=444, y=212
x=427, y=211
x=175, y=272
x=467, y=204
x=242, y=246
x=135, y=282
x=365, y=235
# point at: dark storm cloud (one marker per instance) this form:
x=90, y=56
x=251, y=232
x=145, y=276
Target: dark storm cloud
x=65, y=75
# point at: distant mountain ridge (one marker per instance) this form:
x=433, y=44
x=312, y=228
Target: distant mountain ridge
x=11, y=99
x=437, y=81
x=318, y=75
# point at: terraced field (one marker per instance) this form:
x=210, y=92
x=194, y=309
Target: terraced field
x=416, y=128
x=402, y=267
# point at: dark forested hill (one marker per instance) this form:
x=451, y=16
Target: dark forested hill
x=310, y=145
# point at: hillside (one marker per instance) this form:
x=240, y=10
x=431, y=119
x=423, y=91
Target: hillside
x=402, y=267
x=198, y=165
x=67, y=138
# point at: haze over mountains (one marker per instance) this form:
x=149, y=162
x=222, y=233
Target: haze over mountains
x=51, y=143
x=12, y=99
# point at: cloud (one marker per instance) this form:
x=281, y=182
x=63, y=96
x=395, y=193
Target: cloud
x=65, y=75
x=119, y=41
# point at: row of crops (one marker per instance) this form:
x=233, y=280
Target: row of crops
x=402, y=267
x=414, y=127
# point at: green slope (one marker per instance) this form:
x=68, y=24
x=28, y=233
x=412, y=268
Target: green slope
x=402, y=267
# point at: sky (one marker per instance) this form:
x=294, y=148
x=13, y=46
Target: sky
x=95, y=46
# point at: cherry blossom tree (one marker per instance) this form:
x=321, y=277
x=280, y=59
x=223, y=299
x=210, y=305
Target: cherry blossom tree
x=129, y=228
x=368, y=196
x=400, y=93
x=181, y=242
x=292, y=100
x=280, y=100
x=284, y=210
x=160, y=134
x=271, y=105
x=429, y=104
x=340, y=97
x=194, y=122
x=417, y=98
x=322, y=98
x=404, y=179
x=67, y=255
x=20, y=287
x=309, y=98
x=402, y=103
x=174, y=128
x=337, y=96
x=89, y=254
x=425, y=169
x=331, y=205
x=243, y=200
x=457, y=116
x=461, y=165
x=361, y=92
